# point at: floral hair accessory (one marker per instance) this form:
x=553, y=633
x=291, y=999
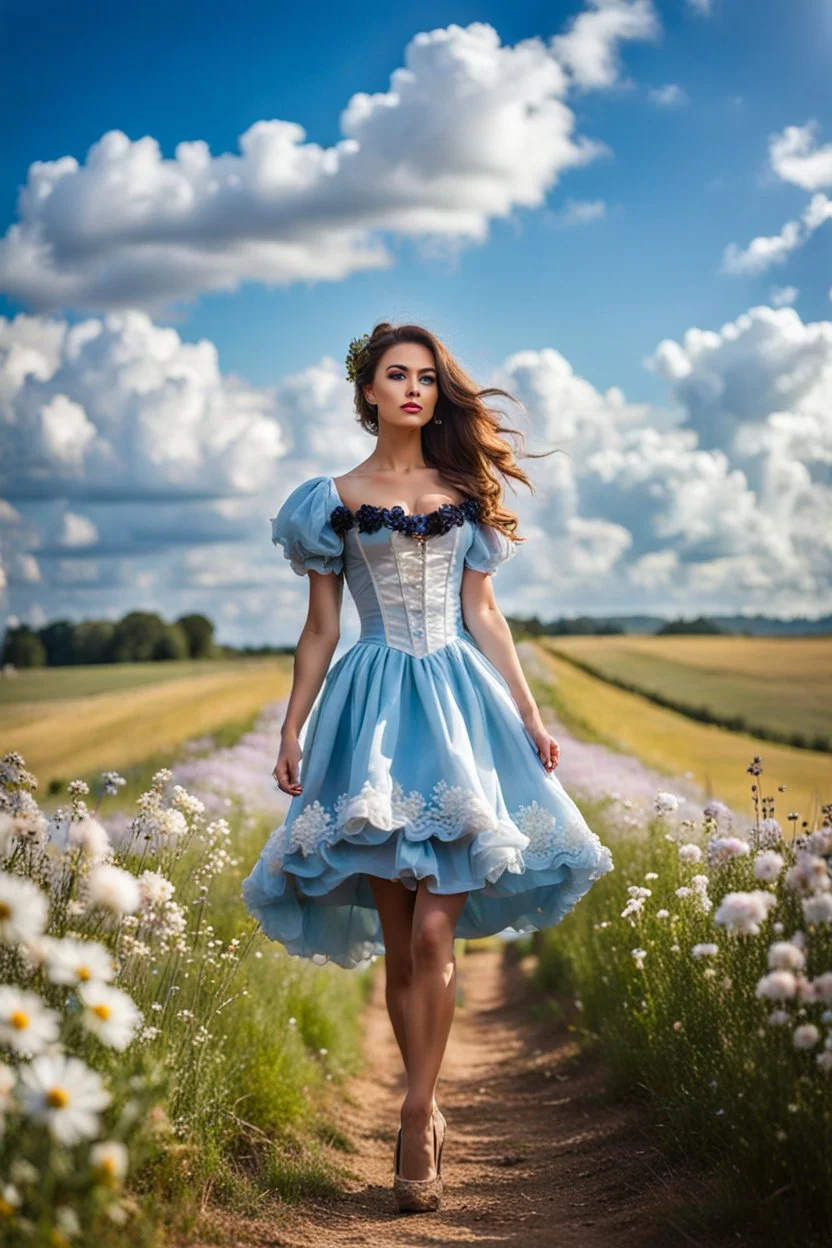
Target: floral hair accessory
x=356, y=350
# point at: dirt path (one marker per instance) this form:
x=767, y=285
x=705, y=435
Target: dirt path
x=534, y=1156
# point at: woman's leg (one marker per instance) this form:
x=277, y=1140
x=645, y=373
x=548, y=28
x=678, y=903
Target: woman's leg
x=429, y=1013
x=395, y=905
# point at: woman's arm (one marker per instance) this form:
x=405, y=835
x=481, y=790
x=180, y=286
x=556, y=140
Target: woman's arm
x=317, y=642
x=489, y=628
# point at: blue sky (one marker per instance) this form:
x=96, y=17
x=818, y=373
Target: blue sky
x=668, y=204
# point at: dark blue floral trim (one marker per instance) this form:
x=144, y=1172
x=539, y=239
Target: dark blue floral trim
x=422, y=524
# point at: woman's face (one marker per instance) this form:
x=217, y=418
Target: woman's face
x=405, y=374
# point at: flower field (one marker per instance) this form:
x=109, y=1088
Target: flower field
x=151, y=1039
x=703, y=969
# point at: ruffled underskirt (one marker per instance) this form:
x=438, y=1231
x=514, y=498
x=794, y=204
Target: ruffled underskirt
x=419, y=768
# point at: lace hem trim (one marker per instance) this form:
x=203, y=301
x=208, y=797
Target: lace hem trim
x=450, y=811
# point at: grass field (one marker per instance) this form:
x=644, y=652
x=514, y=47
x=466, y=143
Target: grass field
x=779, y=683
x=674, y=744
x=81, y=720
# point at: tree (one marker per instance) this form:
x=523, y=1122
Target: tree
x=172, y=644
x=136, y=635
x=200, y=633
x=24, y=648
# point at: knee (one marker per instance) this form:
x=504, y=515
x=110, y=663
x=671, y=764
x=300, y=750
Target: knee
x=432, y=943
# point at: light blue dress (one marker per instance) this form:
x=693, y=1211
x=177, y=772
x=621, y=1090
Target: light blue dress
x=416, y=762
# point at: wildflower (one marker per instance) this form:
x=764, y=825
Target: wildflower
x=783, y=955
x=10, y=1199
x=818, y=908
x=634, y=906
x=718, y=812
x=114, y=889
x=662, y=914
x=639, y=955
x=73, y=961
x=109, y=1013
x=65, y=1094
x=823, y=986
x=155, y=888
x=651, y=875
x=23, y=909
x=820, y=842
x=778, y=985
x=67, y=1224
x=26, y=1024
x=809, y=874
x=779, y=1018
x=665, y=803
x=743, y=913
x=86, y=834
x=768, y=865
x=824, y=1060
x=690, y=852
x=109, y=1159
x=806, y=1036
x=722, y=849
x=705, y=951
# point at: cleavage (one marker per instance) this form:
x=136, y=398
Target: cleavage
x=389, y=507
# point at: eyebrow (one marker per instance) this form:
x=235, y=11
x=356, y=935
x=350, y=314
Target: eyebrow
x=427, y=369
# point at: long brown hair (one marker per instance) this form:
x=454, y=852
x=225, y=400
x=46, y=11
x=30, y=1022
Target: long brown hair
x=470, y=446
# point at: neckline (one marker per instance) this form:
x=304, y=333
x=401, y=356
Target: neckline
x=407, y=515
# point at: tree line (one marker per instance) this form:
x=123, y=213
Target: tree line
x=138, y=637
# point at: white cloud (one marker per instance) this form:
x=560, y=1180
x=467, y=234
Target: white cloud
x=77, y=530
x=782, y=296
x=702, y=8
x=578, y=212
x=669, y=96
x=122, y=408
x=590, y=48
x=721, y=498
x=469, y=131
x=794, y=158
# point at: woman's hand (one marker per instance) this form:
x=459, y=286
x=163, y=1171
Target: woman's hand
x=287, y=768
x=547, y=747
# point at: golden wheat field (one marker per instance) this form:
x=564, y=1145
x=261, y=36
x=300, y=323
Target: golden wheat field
x=673, y=743
x=780, y=683
x=68, y=722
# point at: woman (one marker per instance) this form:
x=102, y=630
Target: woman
x=427, y=806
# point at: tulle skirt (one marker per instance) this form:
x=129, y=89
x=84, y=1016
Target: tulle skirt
x=419, y=768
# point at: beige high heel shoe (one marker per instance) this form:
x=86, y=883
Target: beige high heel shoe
x=421, y=1195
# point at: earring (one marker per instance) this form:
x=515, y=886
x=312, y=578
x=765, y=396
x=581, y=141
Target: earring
x=437, y=420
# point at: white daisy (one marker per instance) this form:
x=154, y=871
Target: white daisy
x=73, y=961
x=65, y=1094
x=109, y=1158
x=114, y=888
x=23, y=909
x=10, y=1199
x=26, y=1024
x=109, y=1013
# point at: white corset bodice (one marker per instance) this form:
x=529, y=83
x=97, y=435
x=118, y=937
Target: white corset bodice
x=407, y=589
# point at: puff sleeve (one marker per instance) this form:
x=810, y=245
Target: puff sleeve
x=489, y=549
x=302, y=527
